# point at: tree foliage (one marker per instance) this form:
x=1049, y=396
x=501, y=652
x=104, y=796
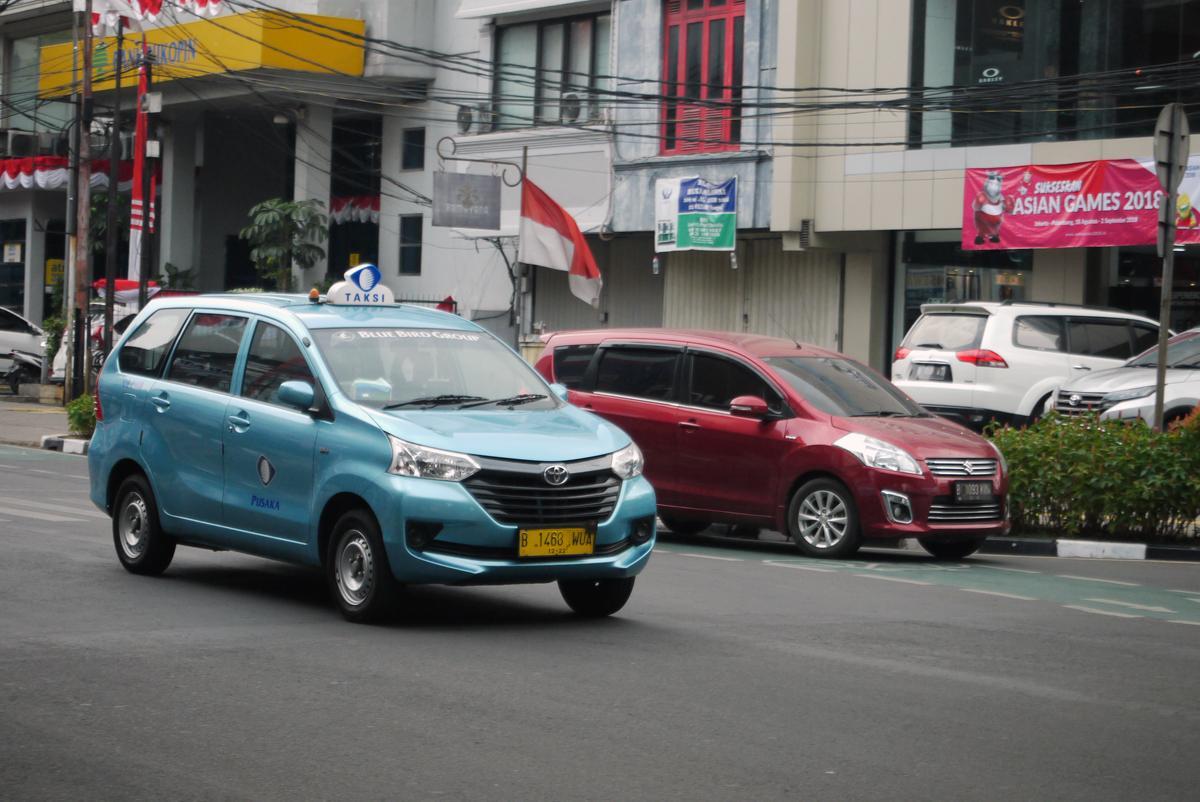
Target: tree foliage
x=283, y=233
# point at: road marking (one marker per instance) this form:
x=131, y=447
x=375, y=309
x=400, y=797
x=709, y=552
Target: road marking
x=1184, y=592
x=998, y=593
x=55, y=508
x=894, y=579
x=1133, y=606
x=1014, y=570
x=1178, y=621
x=807, y=567
x=1083, y=609
x=43, y=516
x=1105, y=581
x=709, y=556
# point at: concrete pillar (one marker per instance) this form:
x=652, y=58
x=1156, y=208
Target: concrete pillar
x=864, y=307
x=177, y=215
x=313, y=162
x=1060, y=275
x=35, y=267
x=390, y=206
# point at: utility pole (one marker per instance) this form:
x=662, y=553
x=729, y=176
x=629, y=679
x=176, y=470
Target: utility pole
x=147, y=201
x=114, y=156
x=68, y=342
x=78, y=365
x=1170, y=155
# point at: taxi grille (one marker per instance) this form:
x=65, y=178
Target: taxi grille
x=955, y=466
x=526, y=499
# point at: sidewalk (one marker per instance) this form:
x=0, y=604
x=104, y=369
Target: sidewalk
x=26, y=424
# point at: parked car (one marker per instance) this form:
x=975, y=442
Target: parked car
x=386, y=444
x=764, y=432
x=122, y=316
x=982, y=361
x=1127, y=392
x=17, y=334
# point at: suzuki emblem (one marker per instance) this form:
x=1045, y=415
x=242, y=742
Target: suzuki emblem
x=969, y=468
x=556, y=475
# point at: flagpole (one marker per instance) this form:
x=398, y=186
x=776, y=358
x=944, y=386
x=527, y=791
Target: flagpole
x=147, y=201
x=519, y=267
x=114, y=177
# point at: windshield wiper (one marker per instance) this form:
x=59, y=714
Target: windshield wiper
x=511, y=401
x=434, y=401
x=884, y=413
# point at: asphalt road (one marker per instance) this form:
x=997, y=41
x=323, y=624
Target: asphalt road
x=738, y=671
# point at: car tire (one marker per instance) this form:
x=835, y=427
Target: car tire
x=681, y=526
x=1174, y=416
x=595, y=598
x=142, y=546
x=951, y=550
x=19, y=377
x=1038, y=410
x=823, y=520
x=357, y=570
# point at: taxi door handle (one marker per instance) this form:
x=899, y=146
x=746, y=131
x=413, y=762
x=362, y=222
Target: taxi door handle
x=161, y=402
x=238, y=422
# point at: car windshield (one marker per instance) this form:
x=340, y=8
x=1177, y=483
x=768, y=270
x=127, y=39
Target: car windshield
x=1183, y=351
x=842, y=387
x=403, y=368
x=946, y=332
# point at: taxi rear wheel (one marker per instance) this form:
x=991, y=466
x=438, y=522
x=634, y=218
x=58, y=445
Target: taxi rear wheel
x=595, y=598
x=142, y=546
x=357, y=570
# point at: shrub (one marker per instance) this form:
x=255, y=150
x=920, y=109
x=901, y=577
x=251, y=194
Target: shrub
x=81, y=416
x=1109, y=478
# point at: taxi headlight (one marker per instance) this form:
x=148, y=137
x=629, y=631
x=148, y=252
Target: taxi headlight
x=627, y=463
x=879, y=454
x=410, y=459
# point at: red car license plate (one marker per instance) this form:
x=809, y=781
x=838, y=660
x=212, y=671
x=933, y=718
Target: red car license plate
x=976, y=492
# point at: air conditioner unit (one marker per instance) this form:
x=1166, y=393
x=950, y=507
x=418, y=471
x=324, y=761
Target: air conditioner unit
x=484, y=119
x=22, y=144
x=466, y=119
x=570, y=108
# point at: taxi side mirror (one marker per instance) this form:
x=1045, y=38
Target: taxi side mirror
x=749, y=406
x=560, y=390
x=297, y=394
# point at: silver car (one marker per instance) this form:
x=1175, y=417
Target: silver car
x=1128, y=391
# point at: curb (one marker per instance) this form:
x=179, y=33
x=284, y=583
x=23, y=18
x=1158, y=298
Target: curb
x=66, y=444
x=1092, y=549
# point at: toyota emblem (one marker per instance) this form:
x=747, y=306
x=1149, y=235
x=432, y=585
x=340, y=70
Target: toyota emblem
x=556, y=475
x=1074, y=400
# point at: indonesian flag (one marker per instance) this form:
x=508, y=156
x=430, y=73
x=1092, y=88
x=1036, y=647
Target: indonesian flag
x=137, y=203
x=549, y=237
x=106, y=14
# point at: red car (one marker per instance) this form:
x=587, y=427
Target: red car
x=763, y=432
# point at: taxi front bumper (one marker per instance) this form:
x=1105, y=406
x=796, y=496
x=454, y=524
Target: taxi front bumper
x=438, y=532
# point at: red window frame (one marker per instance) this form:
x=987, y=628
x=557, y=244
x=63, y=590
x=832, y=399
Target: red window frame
x=710, y=34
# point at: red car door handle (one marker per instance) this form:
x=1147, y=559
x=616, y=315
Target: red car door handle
x=689, y=424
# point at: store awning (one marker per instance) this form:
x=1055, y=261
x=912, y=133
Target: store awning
x=493, y=8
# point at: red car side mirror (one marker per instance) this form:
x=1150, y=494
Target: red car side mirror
x=749, y=406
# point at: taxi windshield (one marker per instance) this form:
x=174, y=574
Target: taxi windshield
x=405, y=368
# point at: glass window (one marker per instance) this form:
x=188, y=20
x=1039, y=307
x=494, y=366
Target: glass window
x=412, y=149
x=715, y=382
x=411, y=226
x=639, y=372
x=571, y=363
x=26, y=110
x=274, y=358
x=143, y=353
x=702, y=42
x=840, y=387
x=1144, y=337
x=946, y=332
x=10, y=322
x=552, y=72
x=207, y=351
x=1103, y=338
x=427, y=368
x=1041, y=333
x=1183, y=351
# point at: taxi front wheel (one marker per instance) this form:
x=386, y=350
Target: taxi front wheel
x=595, y=598
x=142, y=546
x=356, y=566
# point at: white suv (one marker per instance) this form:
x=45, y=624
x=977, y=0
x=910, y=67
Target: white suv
x=981, y=361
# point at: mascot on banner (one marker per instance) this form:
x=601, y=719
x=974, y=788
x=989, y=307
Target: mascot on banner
x=990, y=206
x=1187, y=217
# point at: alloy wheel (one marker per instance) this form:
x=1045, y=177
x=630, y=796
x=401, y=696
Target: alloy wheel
x=823, y=519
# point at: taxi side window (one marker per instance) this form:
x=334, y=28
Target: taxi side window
x=207, y=352
x=145, y=350
x=274, y=358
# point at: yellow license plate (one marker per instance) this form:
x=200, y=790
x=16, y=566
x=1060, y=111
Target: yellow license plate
x=555, y=541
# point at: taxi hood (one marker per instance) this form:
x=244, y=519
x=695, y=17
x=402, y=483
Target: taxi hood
x=924, y=438
x=551, y=435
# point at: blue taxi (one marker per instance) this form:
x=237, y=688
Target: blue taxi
x=387, y=444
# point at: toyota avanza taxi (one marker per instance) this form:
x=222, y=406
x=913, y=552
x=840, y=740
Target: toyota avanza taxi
x=387, y=444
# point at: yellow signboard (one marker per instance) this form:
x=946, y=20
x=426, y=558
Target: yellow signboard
x=54, y=272
x=210, y=46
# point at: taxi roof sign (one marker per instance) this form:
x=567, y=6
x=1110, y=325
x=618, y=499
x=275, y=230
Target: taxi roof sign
x=360, y=287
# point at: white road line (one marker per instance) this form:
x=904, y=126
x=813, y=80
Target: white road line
x=1083, y=609
x=1014, y=570
x=998, y=593
x=1094, y=579
x=1133, y=606
x=709, y=556
x=1184, y=592
x=43, y=516
x=1179, y=621
x=894, y=579
x=801, y=567
x=55, y=508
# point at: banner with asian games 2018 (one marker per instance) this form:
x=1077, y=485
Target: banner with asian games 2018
x=1088, y=204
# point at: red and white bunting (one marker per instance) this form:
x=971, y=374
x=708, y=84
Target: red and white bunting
x=52, y=172
x=354, y=209
x=106, y=13
x=550, y=237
